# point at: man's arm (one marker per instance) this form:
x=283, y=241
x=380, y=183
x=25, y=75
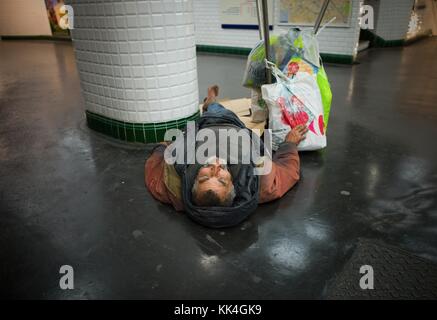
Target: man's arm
x=285, y=167
x=154, y=175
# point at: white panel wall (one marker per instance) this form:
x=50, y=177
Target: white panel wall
x=209, y=32
x=393, y=18
x=24, y=18
x=137, y=59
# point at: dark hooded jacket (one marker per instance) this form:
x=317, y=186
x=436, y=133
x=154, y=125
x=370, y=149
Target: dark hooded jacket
x=246, y=183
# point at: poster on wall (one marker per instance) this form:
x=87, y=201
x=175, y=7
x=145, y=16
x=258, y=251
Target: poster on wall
x=304, y=13
x=54, y=15
x=242, y=14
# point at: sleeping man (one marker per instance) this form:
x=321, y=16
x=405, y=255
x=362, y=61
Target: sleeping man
x=222, y=191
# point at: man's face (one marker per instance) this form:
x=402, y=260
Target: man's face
x=215, y=176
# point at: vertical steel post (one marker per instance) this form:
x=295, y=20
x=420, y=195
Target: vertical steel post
x=260, y=19
x=265, y=26
x=320, y=16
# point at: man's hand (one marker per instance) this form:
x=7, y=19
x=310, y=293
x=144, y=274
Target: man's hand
x=297, y=134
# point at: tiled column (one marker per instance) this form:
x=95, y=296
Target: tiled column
x=137, y=65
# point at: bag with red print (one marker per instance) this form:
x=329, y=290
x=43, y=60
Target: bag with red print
x=292, y=101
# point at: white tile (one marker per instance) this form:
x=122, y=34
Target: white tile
x=133, y=65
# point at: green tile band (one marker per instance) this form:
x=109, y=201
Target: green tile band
x=326, y=57
x=380, y=42
x=377, y=41
x=51, y=38
x=337, y=58
x=135, y=132
x=222, y=49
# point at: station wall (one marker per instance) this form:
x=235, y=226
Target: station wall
x=337, y=41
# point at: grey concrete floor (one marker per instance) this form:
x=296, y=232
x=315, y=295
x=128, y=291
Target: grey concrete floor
x=71, y=196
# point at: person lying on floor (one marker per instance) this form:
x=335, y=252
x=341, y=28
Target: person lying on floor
x=217, y=193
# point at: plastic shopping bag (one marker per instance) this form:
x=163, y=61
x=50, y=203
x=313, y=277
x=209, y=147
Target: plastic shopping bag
x=258, y=106
x=297, y=65
x=293, y=52
x=292, y=101
x=283, y=47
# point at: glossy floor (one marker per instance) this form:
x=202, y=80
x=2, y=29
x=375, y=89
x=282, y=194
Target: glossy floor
x=70, y=196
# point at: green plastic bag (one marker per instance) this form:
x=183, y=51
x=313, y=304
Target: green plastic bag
x=325, y=92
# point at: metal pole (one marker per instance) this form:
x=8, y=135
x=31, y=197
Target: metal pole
x=321, y=15
x=260, y=19
x=265, y=16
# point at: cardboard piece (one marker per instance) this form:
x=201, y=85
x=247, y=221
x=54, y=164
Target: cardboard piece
x=241, y=107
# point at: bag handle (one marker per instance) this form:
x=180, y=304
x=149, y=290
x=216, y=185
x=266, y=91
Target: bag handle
x=280, y=77
x=325, y=25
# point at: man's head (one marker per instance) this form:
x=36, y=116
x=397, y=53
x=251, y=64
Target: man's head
x=213, y=185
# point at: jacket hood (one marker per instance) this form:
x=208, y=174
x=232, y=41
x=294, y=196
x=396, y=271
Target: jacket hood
x=246, y=183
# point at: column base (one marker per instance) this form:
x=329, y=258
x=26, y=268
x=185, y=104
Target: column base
x=135, y=132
